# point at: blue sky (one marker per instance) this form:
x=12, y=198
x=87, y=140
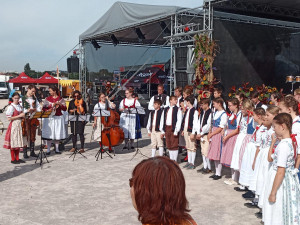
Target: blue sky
x=42, y=31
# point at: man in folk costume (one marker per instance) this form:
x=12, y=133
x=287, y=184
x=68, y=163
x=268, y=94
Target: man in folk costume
x=178, y=93
x=154, y=127
x=161, y=96
x=30, y=105
x=172, y=118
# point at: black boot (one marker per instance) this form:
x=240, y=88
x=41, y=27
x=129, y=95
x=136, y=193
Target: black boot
x=25, y=153
x=32, y=153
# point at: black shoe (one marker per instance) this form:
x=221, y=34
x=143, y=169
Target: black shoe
x=21, y=161
x=124, y=148
x=251, y=205
x=132, y=148
x=15, y=162
x=57, y=152
x=48, y=153
x=206, y=171
x=32, y=153
x=217, y=177
x=240, y=190
x=248, y=194
x=200, y=170
x=213, y=176
x=258, y=215
x=184, y=154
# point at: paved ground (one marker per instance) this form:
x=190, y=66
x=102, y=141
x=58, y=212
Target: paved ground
x=86, y=191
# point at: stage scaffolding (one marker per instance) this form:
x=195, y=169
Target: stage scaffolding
x=185, y=23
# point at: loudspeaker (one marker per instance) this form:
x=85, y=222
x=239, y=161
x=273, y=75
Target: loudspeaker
x=73, y=64
x=181, y=58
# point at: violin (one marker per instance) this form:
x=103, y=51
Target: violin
x=79, y=106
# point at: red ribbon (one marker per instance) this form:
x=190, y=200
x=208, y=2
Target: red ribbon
x=256, y=129
x=250, y=113
x=295, y=144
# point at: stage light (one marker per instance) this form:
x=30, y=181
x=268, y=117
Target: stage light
x=139, y=33
x=114, y=39
x=95, y=44
x=164, y=28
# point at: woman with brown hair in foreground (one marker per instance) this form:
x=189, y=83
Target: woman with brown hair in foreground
x=157, y=189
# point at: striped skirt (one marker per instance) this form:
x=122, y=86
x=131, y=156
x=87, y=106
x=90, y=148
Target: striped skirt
x=215, y=146
x=236, y=151
x=227, y=149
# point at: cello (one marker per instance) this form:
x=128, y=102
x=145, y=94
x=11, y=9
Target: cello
x=112, y=134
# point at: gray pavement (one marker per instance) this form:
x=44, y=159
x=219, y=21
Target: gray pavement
x=86, y=191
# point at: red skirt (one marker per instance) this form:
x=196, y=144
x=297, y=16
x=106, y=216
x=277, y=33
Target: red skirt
x=215, y=146
x=227, y=149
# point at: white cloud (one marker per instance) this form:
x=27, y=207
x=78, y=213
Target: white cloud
x=41, y=32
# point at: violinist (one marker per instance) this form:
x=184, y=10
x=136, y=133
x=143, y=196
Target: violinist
x=54, y=127
x=77, y=107
x=103, y=104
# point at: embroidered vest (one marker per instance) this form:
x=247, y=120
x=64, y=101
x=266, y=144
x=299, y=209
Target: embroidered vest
x=161, y=97
x=158, y=118
x=191, y=118
x=206, y=116
x=174, y=117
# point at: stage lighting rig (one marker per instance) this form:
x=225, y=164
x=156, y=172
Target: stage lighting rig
x=139, y=33
x=164, y=28
x=95, y=44
x=114, y=39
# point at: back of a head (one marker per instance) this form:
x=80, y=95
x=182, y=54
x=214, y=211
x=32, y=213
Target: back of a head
x=159, y=191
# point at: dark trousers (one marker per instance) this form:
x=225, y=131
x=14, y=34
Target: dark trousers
x=74, y=140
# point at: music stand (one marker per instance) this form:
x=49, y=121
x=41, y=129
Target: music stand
x=102, y=113
x=77, y=118
x=41, y=115
x=138, y=111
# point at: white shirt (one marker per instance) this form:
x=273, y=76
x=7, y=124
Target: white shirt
x=296, y=130
x=243, y=125
x=223, y=121
x=128, y=103
x=195, y=120
x=203, y=129
x=283, y=151
x=151, y=103
x=154, y=122
x=10, y=110
x=101, y=105
x=169, y=120
x=178, y=101
x=262, y=106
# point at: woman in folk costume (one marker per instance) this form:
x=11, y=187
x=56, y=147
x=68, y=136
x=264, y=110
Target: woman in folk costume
x=103, y=104
x=262, y=164
x=245, y=126
x=54, y=126
x=14, y=137
x=130, y=122
x=282, y=192
x=230, y=136
x=290, y=105
x=215, y=136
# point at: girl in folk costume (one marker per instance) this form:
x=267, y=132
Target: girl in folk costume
x=172, y=118
x=77, y=107
x=251, y=151
x=54, y=126
x=103, y=104
x=245, y=132
x=276, y=98
x=13, y=137
x=282, y=192
x=290, y=105
x=215, y=136
x=262, y=164
x=189, y=128
x=229, y=139
x=129, y=122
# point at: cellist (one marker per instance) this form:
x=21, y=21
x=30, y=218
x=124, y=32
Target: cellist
x=77, y=107
x=103, y=104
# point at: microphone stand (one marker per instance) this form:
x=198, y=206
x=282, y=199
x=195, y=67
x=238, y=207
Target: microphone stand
x=41, y=152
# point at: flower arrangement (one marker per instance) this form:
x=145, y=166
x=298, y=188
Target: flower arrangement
x=264, y=91
x=205, y=52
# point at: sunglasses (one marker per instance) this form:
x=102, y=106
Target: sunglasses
x=130, y=182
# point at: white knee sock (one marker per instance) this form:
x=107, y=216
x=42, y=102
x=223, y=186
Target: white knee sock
x=218, y=166
x=204, y=162
x=175, y=155
x=171, y=155
x=56, y=146
x=161, y=151
x=153, y=152
x=193, y=154
x=189, y=156
x=48, y=145
x=232, y=174
x=208, y=163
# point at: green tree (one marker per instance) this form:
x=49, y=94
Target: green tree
x=27, y=69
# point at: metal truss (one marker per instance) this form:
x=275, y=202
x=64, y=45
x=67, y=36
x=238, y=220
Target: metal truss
x=82, y=70
x=258, y=8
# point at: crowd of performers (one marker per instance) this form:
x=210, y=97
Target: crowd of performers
x=260, y=143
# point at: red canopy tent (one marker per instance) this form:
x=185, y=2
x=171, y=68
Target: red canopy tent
x=47, y=79
x=23, y=78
